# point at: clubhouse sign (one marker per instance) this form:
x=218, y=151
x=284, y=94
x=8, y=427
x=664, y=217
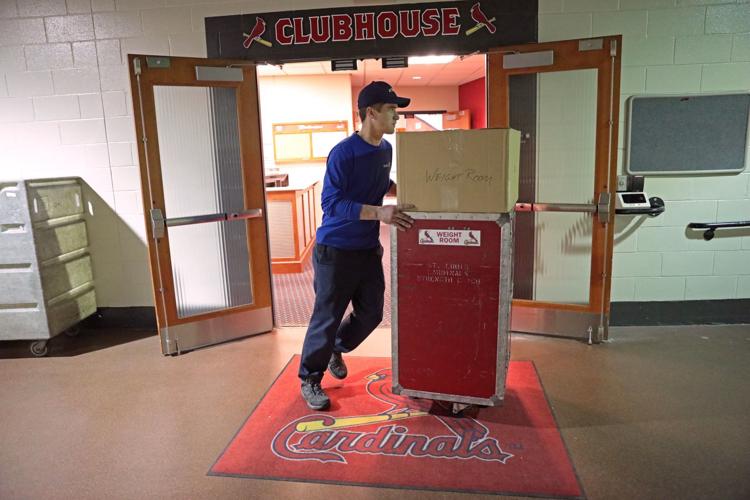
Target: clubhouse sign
x=445, y=27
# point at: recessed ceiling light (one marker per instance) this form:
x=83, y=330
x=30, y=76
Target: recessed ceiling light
x=430, y=59
x=416, y=77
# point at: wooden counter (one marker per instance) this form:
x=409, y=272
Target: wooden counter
x=292, y=222
x=276, y=180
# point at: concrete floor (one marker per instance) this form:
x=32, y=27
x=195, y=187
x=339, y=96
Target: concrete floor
x=658, y=413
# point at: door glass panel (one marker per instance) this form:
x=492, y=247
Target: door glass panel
x=202, y=259
x=199, y=151
x=556, y=113
x=562, y=256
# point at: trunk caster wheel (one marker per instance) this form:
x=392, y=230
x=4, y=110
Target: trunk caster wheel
x=458, y=408
x=39, y=348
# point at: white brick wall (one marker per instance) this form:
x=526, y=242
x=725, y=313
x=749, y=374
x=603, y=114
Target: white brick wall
x=91, y=105
x=30, y=8
x=48, y=56
x=62, y=107
x=65, y=110
x=741, y=48
x=664, y=288
x=69, y=28
x=16, y=109
x=674, y=46
x=687, y=264
x=28, y=84
x=703, y=49
x=82, y=131
x=710, y=287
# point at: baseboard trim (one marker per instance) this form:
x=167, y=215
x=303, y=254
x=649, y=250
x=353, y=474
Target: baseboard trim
x=682, y=312
x=123, y=317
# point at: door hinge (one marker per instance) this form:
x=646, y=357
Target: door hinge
x=157, y=223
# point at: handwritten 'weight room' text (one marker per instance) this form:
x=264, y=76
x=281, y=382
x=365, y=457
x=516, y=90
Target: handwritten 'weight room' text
x=467, y=175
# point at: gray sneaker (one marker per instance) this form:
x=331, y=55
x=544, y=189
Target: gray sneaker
x=314, y=395
x=337, y=367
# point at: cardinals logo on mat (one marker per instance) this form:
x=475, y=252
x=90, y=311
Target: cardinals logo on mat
x=326, y=438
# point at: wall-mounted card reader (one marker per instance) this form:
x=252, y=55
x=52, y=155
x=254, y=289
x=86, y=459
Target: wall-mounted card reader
x=631, y=199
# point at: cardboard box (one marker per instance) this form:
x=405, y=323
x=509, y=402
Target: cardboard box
x=463, y=171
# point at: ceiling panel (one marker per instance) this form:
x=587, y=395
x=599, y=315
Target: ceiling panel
x=269, y=70
x=304, y=68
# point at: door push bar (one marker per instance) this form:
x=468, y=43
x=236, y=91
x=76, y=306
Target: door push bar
x=159, y=223
x=600, y=208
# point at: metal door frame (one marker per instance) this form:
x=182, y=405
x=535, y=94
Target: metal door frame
x=590, y=321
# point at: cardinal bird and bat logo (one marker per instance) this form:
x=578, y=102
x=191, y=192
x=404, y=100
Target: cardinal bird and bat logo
x=255, y=34
x=481, y=19
x=326, y=438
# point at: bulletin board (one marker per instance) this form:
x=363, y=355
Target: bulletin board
x=306, y=142
x=687, y=134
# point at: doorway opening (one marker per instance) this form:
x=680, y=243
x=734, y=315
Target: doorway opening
x=306, y=108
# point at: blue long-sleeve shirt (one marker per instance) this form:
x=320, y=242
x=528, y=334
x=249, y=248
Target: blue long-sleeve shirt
x=357, y=173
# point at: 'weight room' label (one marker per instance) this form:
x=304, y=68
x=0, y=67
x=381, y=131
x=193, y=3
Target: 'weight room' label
x=450, y=237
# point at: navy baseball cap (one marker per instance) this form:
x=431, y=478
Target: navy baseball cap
x=377, y=92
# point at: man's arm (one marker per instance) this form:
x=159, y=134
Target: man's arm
x=390, y=214
x=333, y=199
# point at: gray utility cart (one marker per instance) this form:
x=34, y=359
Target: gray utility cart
x=46, y=277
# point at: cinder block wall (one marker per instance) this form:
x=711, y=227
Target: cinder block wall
x=673, y=46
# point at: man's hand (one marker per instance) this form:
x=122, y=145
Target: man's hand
x=392, y=214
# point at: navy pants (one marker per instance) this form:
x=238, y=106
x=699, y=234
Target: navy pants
x=341, y=277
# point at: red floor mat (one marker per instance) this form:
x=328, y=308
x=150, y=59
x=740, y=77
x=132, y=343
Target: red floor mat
x=371, y=437
x=293, y=294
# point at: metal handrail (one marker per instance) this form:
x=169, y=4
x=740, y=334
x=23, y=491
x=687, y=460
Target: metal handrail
x=710, y=227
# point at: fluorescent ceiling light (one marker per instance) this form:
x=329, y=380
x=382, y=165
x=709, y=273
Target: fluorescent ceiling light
x=344, y=65
x=431, y=59
x=394, y=62
x=416, y=77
